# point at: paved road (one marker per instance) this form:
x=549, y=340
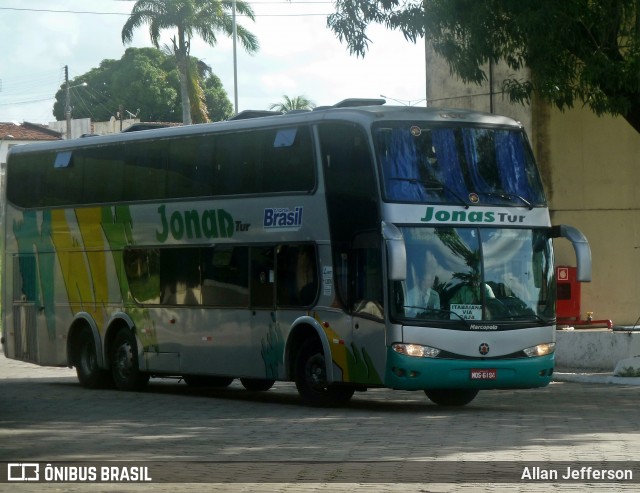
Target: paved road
x=46, y=416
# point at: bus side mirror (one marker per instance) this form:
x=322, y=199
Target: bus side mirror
x=396, y=252
x=581, y=248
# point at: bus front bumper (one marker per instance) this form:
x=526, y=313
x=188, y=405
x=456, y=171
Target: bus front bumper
x=410, y=373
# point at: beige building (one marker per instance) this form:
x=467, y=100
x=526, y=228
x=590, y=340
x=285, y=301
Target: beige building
x=591, y=171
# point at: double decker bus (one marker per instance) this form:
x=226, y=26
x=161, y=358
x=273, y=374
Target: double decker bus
x=350, y=247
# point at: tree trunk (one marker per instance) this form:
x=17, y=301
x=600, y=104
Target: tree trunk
x=184, y=91
x=182, y=55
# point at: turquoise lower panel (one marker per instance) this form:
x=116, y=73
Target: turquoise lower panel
x=408, y=373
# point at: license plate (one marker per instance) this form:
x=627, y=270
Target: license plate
x=484, y=374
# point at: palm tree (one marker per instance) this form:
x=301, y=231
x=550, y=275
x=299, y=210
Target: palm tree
x=197, y=71
x=201, y=17
x=295, y=103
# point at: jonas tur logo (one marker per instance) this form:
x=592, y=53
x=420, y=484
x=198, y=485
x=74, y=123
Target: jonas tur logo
x=484, y=349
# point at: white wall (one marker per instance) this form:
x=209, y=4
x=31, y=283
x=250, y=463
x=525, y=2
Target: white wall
x=78, y=127
x=594, y=350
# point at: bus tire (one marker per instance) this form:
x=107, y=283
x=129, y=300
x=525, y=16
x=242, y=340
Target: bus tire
x=90, y=375
x=125, y=367
x=257, y=384
x=206, y=381
x=311, y=378
x=451, y=397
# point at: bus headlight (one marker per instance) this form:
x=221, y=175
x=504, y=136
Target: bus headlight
x=415, y=350
x=540, y=349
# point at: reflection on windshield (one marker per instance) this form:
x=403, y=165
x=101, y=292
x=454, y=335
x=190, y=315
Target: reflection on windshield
x=448, y=164
x=476, y=274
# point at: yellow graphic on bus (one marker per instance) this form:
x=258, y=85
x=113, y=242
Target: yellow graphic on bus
x=355, y=363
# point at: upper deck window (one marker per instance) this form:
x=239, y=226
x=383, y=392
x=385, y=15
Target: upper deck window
x=453, y=165
x=243, y=162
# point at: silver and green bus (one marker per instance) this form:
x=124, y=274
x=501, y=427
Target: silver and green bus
x=346, y=248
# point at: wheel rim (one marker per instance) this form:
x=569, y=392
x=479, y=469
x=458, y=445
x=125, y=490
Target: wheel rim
x=88, y=359
x=315, y=372
x=124, y=361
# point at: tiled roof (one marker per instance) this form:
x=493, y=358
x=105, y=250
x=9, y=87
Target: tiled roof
x=27, y=131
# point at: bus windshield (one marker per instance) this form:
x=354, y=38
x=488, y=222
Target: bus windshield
x=455, y=164
x=479, y=274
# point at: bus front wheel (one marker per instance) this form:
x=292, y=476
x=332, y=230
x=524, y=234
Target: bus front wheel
x=451, y=397
x=124, y=362
x=311, y=378
x=90, y=375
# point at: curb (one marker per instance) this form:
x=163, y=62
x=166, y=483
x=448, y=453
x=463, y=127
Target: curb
x=603, y=378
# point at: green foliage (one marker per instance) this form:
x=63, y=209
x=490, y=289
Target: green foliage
x=218, y=105
x=578, y=51
x=143, y=78
x=189, y=17
x=294, y=103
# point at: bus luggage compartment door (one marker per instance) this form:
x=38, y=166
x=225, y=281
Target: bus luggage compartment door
x=25, y=340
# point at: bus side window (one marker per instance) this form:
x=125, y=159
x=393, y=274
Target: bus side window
x=367, y=282
x=341, y=273
x=180, y=276
x=103, y=174
x=63, y=179
x=190, y=168
x=146, y=170
x=225, y=276
x=287, y=160
x=306, y=275
x=261, y=287
x=142, y=268
x=297, y=275
x=236, y=163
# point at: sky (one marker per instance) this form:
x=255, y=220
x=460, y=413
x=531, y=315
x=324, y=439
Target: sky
x=298, y=55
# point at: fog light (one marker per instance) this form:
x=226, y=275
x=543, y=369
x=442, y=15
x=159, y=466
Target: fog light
x=540, y=349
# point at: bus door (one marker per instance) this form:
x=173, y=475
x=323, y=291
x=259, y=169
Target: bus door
x=24, y=327
x=368, y=327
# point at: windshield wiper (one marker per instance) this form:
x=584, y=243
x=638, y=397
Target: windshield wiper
x=508, y=196
x=530, y=316
x=432, y=186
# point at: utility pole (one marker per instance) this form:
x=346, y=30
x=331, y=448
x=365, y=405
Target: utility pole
x=67, y=103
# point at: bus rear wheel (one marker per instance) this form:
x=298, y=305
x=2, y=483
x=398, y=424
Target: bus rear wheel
x=257, y=384
x=90, y=375
x=451, y=397
x=125, y=367
x=311, y=378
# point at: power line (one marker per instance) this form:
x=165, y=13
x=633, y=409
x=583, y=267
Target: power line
x=30, y=88
x=21, y=9
x=16, y=103
x=91, y=12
